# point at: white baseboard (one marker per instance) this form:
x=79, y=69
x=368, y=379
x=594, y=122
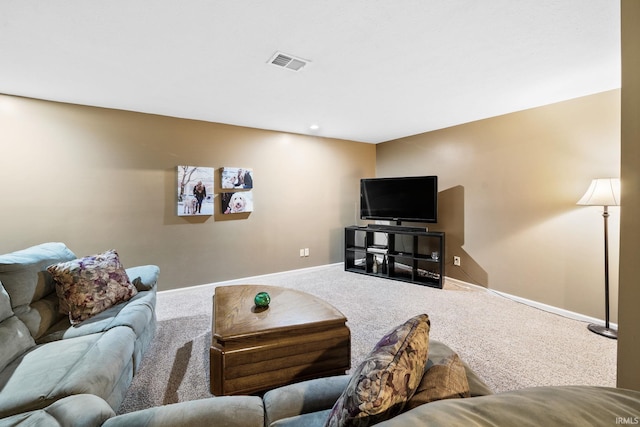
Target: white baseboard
x=531, y=303
x=541, y=306
x=249, y=279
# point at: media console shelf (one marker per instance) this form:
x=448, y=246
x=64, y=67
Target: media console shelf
x=395, y=253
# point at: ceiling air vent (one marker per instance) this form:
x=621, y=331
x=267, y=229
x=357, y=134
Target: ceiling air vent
x=289, y=62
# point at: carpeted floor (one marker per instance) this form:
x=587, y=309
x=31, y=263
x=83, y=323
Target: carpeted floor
x=510, y=345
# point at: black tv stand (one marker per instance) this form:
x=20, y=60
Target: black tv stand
x=407, y=255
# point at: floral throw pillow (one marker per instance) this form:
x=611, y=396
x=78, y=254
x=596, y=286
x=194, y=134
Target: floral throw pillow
x=382, y=384
x=88, y=286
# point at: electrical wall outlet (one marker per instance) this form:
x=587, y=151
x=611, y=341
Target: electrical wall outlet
x=306, y=251
x=456, y=261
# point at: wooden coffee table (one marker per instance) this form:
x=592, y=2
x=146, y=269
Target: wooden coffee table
x=298, y=337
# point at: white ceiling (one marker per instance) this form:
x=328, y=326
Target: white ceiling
x=379, y=69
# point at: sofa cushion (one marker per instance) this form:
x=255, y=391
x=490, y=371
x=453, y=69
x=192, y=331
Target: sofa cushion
x=444, y=379
x=227, y=411
x=24, y=275
x=77, y=410
x=311, y=419
x=387, y=378
x=15, y=339
x=14, y=334
x=5, y=304
x=89, y=285
x=93, y=364
x=441, y=351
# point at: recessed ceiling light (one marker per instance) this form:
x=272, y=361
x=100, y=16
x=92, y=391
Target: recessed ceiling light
x=314, y=127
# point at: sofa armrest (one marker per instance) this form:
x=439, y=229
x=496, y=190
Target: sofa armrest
x=227, y=411
x=144, y=277
x=558, y=406
x=303, y=397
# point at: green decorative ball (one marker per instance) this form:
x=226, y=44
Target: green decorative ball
x=262, y=299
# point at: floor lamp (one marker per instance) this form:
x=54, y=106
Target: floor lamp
x=603, y=192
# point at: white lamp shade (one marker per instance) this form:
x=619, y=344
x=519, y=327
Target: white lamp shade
x=602, y=192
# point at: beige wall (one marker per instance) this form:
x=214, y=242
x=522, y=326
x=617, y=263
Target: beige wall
x=98, y=179
x=629, y=330
x=508, y=192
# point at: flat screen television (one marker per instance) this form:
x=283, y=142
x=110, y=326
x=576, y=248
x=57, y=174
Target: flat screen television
x=413, y=199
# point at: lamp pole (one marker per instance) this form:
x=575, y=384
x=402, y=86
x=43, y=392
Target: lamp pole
x=598, y=329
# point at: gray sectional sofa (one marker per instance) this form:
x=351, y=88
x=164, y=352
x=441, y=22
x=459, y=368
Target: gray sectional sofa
x=43, y=358
x=307, y=404
x=54, y=374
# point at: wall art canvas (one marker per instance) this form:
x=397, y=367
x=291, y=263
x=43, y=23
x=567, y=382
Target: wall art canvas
x=195, y=190
x=240, y=178
x=238, y=202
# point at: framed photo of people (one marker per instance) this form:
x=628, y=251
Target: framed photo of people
x=195, y=190
x=238, y=178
